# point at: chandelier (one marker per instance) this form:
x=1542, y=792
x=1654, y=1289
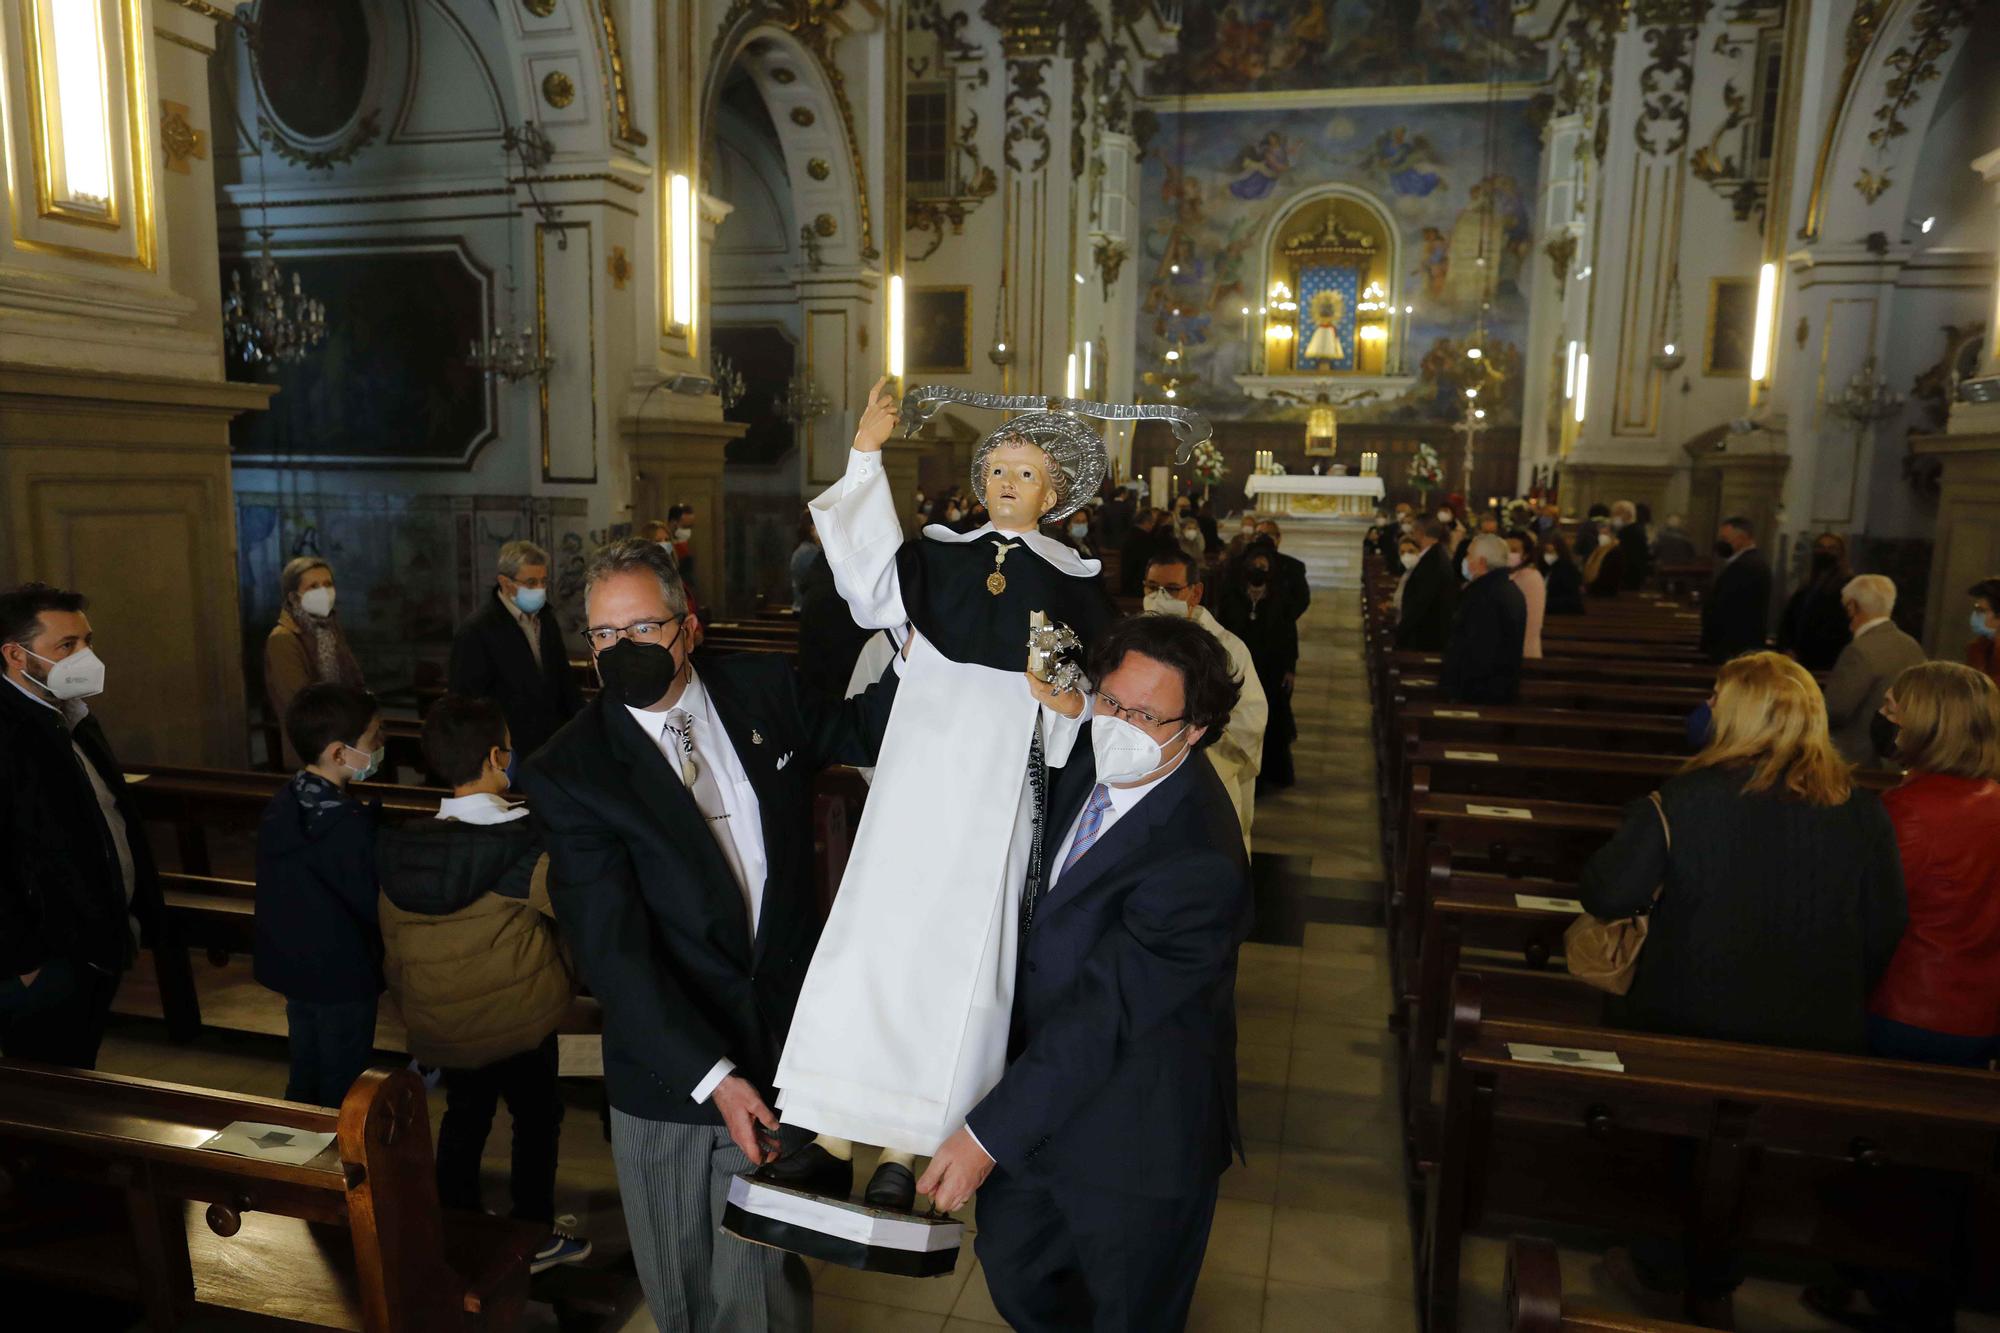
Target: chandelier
x=512, y=355
x=1867, y=398
x=801, y=401
x=1671, y=357
x=728, y=380
x=272, y=321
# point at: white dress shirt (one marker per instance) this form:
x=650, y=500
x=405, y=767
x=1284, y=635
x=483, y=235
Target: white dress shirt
x=744, y=827
x=481, y=807
x=1123, y=801
x=530, y=626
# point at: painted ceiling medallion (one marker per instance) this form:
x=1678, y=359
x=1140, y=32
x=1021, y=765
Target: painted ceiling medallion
x=558, y=90
x=802, y=116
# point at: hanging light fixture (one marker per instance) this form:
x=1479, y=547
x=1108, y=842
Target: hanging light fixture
x=1670, y=357
x=801, y=401
x=269, y=321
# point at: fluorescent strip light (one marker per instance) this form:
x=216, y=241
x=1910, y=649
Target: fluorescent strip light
x=1569, y=372
x=1088, y=348
x=1069, y=377
x=895, y=366
x=1760, y=337
x=1582, y=383
x=680, y=278
x=80, y=99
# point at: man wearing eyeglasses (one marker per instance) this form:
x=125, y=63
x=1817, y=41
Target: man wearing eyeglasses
x=1173, y=587
x=676, y=809
x=1096, y=1156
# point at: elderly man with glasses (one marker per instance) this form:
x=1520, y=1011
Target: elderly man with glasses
x=677, y=810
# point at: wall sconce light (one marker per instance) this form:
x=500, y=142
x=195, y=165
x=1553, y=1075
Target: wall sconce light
x=1760, y=337
x=1582, y=383
x=681, y=250
x=895, y=363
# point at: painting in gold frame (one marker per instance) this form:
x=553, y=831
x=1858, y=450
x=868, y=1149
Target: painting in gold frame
x=937, y=330
x=1732, y=315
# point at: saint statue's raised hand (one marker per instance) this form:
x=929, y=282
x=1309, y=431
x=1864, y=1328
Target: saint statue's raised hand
x=878, y=419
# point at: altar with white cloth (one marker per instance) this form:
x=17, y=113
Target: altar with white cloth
x=1324, y=520
x=1303, y=493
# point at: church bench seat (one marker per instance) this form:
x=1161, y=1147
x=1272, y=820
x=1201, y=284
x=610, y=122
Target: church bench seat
x=1723, y=1146
x=352, y=1239
x=1534, y=1302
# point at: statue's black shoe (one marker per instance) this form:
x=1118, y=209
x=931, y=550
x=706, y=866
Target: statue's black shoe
x=813, y=1170
x=892, y=1187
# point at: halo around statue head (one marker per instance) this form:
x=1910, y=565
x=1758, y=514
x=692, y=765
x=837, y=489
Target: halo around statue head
x=1056, y=425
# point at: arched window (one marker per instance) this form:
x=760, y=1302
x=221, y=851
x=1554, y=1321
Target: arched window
x=1329, y=290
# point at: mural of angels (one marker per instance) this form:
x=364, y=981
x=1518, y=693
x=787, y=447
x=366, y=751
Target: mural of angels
x=1407, y=162
x=1262, y=164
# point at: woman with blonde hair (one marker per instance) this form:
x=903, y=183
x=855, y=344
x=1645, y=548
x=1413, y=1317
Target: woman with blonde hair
x=1779, y=895
x=307, y=645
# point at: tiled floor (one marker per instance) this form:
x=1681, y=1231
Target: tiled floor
x=1312, y=1231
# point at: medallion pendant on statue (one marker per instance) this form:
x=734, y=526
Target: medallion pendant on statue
x=996, y=582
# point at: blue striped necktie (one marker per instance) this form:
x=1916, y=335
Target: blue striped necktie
x=1090, y=826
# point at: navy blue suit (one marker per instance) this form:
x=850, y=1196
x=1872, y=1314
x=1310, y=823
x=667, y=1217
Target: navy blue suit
x=1117, y=1114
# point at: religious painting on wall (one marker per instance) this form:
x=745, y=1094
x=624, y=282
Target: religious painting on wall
x=937, y=330
x=390, y=383
x=311, y=58
x=1732, y=311
x=1237, y=46
x=1328, y=295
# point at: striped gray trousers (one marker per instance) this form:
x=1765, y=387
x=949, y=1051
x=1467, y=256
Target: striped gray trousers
x=673, y=1180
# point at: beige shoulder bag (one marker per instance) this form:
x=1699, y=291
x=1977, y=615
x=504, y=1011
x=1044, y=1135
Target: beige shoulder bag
x=1605, y=954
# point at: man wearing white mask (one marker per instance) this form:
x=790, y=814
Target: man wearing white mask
x=1096, y=1156
x=1173, y=589
x=512, y=651
x=79, y=881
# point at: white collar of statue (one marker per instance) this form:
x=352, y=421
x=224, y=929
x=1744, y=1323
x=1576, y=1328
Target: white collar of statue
x=1056, y=426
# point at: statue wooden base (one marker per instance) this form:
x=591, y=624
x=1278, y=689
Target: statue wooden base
x=839, y=1231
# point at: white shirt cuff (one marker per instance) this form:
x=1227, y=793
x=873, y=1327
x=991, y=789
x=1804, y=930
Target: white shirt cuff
x=982, y=1147
x=861, y=468
x=723, y=1069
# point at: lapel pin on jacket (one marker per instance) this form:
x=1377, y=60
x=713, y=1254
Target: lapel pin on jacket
x=755, y=737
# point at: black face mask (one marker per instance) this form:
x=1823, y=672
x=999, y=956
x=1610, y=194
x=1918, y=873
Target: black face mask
x=1256, y=577
x=638, y=675
x=1724, y=550
x=1824, y=562
x=1883, y=734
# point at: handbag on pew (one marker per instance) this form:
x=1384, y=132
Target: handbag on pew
x=1605, y=954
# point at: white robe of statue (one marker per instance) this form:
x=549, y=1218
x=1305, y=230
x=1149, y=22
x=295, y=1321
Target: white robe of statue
x=902, y=1024
x=1238, y=754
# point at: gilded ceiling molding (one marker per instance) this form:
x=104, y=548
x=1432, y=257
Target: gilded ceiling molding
x=320, y=159
x=1863, y=26
x=811, y=21
x=621, y=101
x=1915, y=63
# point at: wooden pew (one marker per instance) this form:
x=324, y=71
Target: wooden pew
x=1533, y=1297
x=109, y=1182
x=1724, y=1146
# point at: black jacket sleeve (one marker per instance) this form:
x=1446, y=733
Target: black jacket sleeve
x=1885, y=910
x=471, y=670
x=1178, y=933
x=1620, y=879
x=845, y=731
x=601, y=908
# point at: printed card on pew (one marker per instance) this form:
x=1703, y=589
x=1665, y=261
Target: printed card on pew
x=269, y=1143
x=1570, y=1056
x=1500, y=811
x=1473, y=756
x=1534, y=902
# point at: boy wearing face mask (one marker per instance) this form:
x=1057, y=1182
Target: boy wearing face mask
x=472, y=957
x=317, y=942
x=80, y=880
x=512, y=651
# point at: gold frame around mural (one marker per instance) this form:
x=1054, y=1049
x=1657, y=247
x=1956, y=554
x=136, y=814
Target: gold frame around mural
x=138, y=156
x=1715, y=286
x=913, y=366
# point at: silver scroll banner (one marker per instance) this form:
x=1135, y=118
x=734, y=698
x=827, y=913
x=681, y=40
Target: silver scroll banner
x=921, y=402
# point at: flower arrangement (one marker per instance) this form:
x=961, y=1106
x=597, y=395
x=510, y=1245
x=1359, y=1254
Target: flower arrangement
x=1207, y=465
x=1426, y=471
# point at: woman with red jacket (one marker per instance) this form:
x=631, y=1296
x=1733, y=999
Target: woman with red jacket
x=1940, y=998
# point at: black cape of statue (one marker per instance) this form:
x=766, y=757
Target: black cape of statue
x=945, y=592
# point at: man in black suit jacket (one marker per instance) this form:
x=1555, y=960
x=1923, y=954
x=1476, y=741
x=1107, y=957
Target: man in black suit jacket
x=77, y=869
x=1737, y=614
x=1430, y=596
x=1482, y=662
x=676, y=810
x=1141, y=540
x=1288, y=572
x=512, y=651
x=1097, y=1155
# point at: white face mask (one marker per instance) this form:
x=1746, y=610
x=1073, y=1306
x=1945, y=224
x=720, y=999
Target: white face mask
x=1513, y=559
x=1549, y=557
x=1163, y=603
x=318, y=603
x=1124, y=753
x=682, y=534
x=1410, y=559
x=1444, y=516
x=78, y=676
x=1079, y=530
x=367, y=770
